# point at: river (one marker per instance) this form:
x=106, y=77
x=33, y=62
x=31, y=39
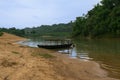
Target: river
x=104, y=52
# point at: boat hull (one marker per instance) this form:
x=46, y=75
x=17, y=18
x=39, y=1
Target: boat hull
x=55, y=46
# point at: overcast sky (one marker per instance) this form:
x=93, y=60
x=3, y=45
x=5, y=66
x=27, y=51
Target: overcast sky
x=29, y=13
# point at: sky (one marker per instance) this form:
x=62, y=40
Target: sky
x=29, y=13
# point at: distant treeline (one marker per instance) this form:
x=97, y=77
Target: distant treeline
x=60, y=30
x=57, y=30
x=13, y=30
x=102, y=21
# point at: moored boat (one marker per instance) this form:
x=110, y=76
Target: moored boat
x=55, y=46
x=58, y=43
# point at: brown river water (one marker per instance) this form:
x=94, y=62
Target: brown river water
x=105, y=52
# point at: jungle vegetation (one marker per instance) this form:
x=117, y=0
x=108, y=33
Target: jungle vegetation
x=102, y=21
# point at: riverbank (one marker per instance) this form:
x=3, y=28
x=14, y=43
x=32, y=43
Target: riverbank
x=19, y=62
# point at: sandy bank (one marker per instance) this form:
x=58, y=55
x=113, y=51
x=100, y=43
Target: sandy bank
x=19, y=62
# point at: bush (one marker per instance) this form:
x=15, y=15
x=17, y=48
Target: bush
x=1, y=33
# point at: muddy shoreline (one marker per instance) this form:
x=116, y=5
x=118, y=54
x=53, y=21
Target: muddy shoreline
x=19, y=62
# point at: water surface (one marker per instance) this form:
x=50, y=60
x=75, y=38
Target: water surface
x=105, y=52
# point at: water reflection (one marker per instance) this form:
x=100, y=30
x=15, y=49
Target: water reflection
x=30, y=43
x=74, y=54
x=71, y=52
x=106, y=52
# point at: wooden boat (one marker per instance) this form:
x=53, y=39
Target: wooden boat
x=59, y=43
x=55, y=46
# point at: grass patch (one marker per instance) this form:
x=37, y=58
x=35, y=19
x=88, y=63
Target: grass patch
x=15, y=52
x=1, y=33
x=44, y=55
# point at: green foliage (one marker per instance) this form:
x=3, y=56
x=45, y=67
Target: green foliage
x=1, y=33
x=61, y=30
x=49, y=30
x=103, y=19
x=79, y=27
x=13, y=30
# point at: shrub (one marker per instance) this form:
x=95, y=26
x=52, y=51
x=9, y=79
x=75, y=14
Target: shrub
x=1, y=33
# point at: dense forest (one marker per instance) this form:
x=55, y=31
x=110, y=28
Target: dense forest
x=61, y=30
x=13, y=30
x=102, y=21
